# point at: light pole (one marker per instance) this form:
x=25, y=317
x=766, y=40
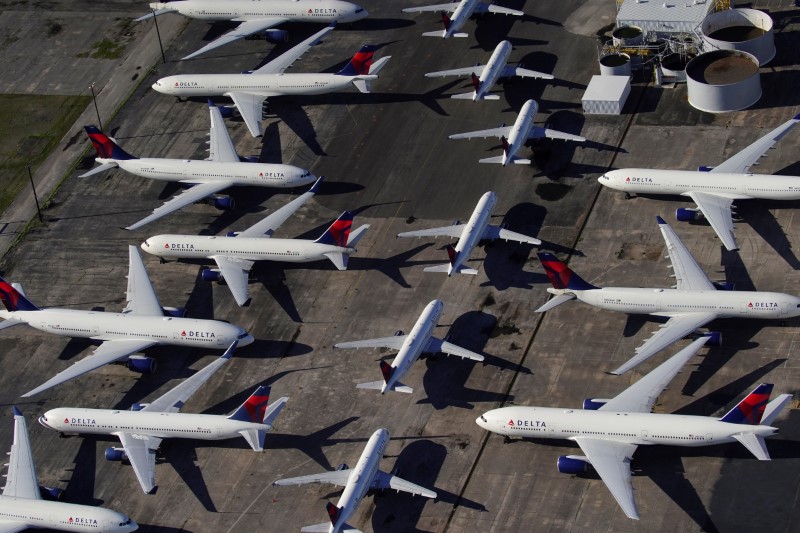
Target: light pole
x=35, y=197
x=96, y=110
x=163, y=59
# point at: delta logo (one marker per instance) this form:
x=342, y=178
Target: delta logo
x=81, y=421
x=198, y=334
x=271, y=174
x=638, y=180
x=186, y=84
x=82, y=521
x=175, y=246
x=527, y=423
x=763, y=305
x=322, y=11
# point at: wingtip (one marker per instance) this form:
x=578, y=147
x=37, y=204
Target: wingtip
x=16, y=410
x=229, y=352
x=660, y=221
x=211, y=103
x=315, y=188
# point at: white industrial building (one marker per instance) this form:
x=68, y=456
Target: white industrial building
x=664, y=17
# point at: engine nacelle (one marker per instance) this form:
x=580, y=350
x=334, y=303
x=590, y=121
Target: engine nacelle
x=174, y=312
x=223, y=203
x=399, y=333
x=249, y=159
x=685, y=214
x=52, y=494
x=714, y=338
x=573, y=464
x=228, y=111
x=724, y=285
x=271, y=36
x=342, y=466
x=142, y=364
x=139, y=406
x=211, y=274
x=232, y=234
x=593, y=404
x=704, y=169
x=116, y=454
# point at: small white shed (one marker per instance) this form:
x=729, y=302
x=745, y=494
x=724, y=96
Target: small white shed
x=606, y=95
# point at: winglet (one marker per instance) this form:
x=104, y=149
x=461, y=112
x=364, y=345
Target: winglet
x=751, y=409
x=211, y=103
x=229, y=352
x=17, y=412
x=661, y=221
x=315, y=188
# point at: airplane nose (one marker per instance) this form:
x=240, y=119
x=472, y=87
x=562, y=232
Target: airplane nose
x=145, y=245
x=43, y=421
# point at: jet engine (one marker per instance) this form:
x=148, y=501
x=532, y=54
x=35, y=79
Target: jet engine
x=223, y=203
x=271, y=36
x=142, y=364
x=211, y=274
x=593, y=404
x=724, y=285
x=228, y=111
x=139, y=406
x=249, y=159
x=174, y=312
x=572, y=464
x=686, y=214
x=116, y=454
x=52, y=494
x=342, y=466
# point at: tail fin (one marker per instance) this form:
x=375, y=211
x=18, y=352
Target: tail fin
x=360, y=63
x=476, y=83
x=13, y=300
x=560, y=274
x=505, y=144
x=446, y=22
x=339, y=232
x=751, y=409
x=254, y=408
x=333, y=512
x=387, y=371
x=451, y=253
x=104, y=146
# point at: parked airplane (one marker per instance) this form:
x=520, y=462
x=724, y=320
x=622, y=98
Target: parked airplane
x=409, y=347
x=142, y=429
x=143, y=323
x=694, y=302
x=224, y=168
x=485, y=76
x=250, y=89
x=514, y=137
x=258, y=17
x=236, y=253
x=461, y=11
x=714, y=189
x=609, y=431
x=22, y=506
x=356, y=482
x=469, y=234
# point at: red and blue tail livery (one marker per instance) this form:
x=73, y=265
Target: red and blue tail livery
x=751, y=409
x=104, y=146
x=339, y=232
x=13, y=300
x=387, y=371
x=333, y=513
x=254, y=408
x=360, y=63
x=560, y=274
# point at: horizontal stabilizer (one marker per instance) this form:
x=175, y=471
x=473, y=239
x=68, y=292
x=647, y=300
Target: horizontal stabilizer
x=363, y=86
x=101, y=168
x=378, y=385
x=490, y=97
x=774, y=408
x=755, y=444
x=555, y=302
x=446, y=268
x=338, y=259
x=520, y=161
x=463, y=96
x=378, y=65
x=255, y=438
x=10, y=323
x=437, y=33
x=274, y=410
x=496, y=159
x=356, y=235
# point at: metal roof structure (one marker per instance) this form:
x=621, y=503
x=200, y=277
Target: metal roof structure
x=664, y=17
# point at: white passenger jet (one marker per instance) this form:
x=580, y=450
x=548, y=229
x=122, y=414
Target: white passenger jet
x=22, y=506
x=514, y=137
x=609, y=431
x=461, y=11
x=250, y=89
x=142, y=324
x=714, y=189
x=356, y=482
x=469, y=235
x=409, y=347
x=693, y=303
x=258, y=17
x=236, y=253
x=142, y=429
x=485, y=76
x=223, y=168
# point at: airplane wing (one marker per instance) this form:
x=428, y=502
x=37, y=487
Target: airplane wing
x=273, y=221
x=688, y=274
x=383, y=480
x=502, y=131
x=11, y=322
x=189, y=196
x=491, y=8
x=337, y=477
x=675, y=329
x=249, y=106
x=108, y=352
x=7, y=526
x=285, y=60
x=545, y=133
x=641, y=396
x=511, y=70
x=436, y=7
x=741, y=162
x=453, y=231
x=438, y=345
x=140, y=296
x=466, y=71
x=395, y=343
x=236, y=272
x=717, y=211
x=496, y=232
x=220, y=146
x=21, y=479
x=141, y=452
x=244, y=29
x=612, y=461
x=173, y=400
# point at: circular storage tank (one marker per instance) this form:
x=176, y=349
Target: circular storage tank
x=674, y=66
x=615, y=65
x=748, y=30
x=723, y=80
x=628, y=36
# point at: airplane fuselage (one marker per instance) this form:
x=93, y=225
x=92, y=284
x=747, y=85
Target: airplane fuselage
x=634, y=428
x=105, y=326
x=63, y=516
x=473, y=230
x=322, y=11
x=193, y=170
x=203, y=85
x=161, y=425
x=734, y=186
x=252, y=249
x=518, y=135
x=460, y=16
x=415, y=342
x=494, y=68
x=668, y=302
